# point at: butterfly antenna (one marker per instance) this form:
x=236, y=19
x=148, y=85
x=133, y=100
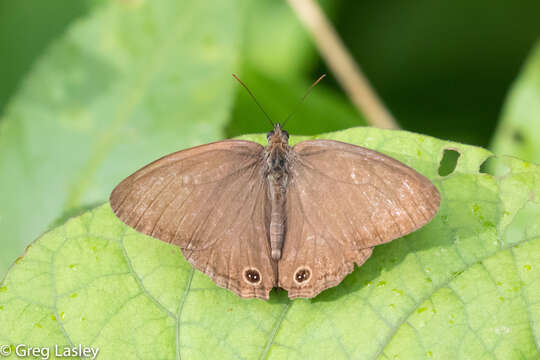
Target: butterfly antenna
x=303, y=98
x=254, y=99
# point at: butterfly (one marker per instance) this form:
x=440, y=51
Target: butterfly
x=256, y=217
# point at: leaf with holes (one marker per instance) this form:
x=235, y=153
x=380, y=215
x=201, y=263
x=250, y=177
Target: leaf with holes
x=133, y=81
x=519, y=129
x=466, y=286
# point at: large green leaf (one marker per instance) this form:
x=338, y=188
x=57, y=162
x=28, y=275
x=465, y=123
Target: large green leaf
x=519, y=129
x=22, y=41
x=133, y=81
x=466, y=286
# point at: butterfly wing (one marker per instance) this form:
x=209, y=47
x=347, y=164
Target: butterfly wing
x=211, y=201
x=342, y=200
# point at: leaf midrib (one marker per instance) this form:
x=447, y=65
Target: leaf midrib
x=180, y=312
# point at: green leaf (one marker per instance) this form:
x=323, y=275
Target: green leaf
x=519, y=129
x=466, y=286
x=133, y=81
x=22, y=41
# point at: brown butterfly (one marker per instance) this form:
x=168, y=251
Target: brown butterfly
x=254, y=218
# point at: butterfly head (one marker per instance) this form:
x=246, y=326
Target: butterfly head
x=278, y=136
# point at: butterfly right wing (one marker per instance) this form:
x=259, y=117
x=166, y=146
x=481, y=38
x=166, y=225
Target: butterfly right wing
x=342, y=200
x=211, y=201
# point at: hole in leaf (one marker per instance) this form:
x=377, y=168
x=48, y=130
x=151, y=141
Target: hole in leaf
x=494, y=167
x=449, y=162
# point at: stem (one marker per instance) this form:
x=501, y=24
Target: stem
x=338, y=59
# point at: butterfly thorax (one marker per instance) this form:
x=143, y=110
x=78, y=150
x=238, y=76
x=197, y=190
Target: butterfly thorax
x=277, y=156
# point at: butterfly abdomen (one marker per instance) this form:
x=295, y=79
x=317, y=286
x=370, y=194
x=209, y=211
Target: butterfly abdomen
x=277, y=172
x=277, y=182
x=277, y=216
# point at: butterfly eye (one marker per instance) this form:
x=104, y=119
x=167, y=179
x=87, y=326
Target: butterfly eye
x=252, y=276
x=285, y=133
x=271, y=133
x=302, y=275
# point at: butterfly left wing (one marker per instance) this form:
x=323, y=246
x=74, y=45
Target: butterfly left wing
x=211, y=202
x=342, y=200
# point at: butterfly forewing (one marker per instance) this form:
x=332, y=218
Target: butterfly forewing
x=341, y=201
x=211, y=201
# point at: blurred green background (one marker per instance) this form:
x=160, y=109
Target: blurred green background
x=442, y=67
